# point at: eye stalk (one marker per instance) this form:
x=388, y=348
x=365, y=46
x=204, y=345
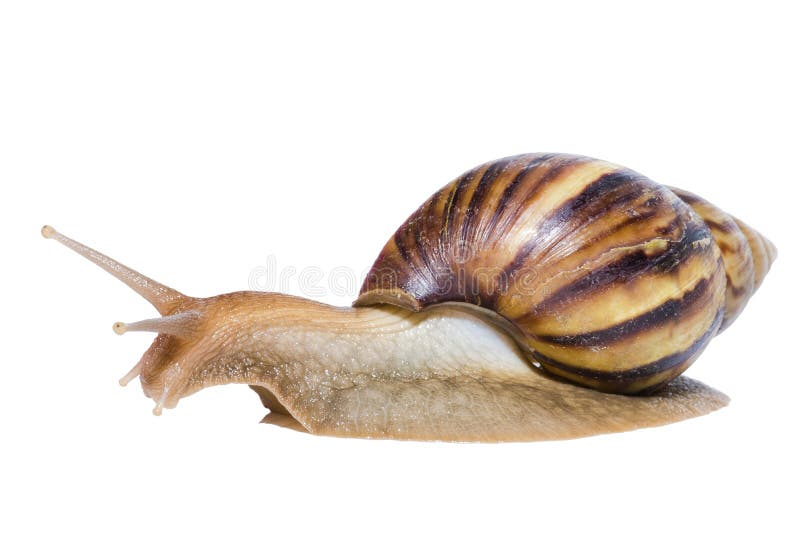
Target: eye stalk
x=163, y=298
x=181, y=324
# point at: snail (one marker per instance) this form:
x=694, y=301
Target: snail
x=540, y=296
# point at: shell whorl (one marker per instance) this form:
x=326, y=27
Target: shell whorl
x=746, y=254
x=609, y=279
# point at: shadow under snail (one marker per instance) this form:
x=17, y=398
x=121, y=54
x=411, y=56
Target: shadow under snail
x=540, y=296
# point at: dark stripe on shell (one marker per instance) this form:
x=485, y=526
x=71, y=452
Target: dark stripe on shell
x=452, y=206
x=628, y=268
x=568, y=213
x=562, y=164
x=420, y=241
x=736, y=291
x=639, y=217
x=398, y=241
x=473, y=210
x=666, y=312
x=726, y=227
x=511, y=188
x=513, y=185
x=641, y=372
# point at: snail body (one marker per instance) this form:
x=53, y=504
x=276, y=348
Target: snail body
x=515, y=304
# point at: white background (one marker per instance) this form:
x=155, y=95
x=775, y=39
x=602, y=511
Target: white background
x=194, y=140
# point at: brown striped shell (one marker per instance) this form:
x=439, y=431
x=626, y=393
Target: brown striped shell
x=607, y=278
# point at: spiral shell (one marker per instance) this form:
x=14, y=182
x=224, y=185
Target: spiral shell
x=609, y=279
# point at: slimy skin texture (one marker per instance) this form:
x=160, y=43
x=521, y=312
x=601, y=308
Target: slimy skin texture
x=384, y=372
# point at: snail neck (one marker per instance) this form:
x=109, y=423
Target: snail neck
x=286, y=343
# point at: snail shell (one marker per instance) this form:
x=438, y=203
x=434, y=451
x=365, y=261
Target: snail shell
x=605, y=277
